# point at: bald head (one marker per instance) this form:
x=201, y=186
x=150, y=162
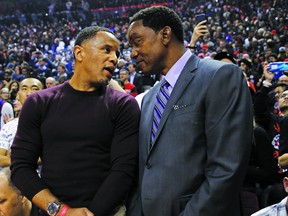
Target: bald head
x=30, y=85
x=283, y=79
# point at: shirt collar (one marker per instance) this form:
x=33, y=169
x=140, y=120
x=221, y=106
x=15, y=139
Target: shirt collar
x=175, y=71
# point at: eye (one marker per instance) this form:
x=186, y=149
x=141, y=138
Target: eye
x=138, y=41
x=117, y=54
x=108, y=49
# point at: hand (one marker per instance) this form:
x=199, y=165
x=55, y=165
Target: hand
x=283, y=160
x=199, y=30
x=267, y=74
x=7, y=118
x=78, y=212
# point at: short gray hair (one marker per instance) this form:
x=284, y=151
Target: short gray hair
x=7, y=174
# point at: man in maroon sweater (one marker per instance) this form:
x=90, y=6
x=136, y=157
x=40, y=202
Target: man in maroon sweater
x=85, y=133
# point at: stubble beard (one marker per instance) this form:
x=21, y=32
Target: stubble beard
x=99, y=85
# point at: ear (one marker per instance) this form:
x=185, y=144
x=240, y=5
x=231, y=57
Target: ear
x=166, y=35
x=23, y=199
x=78, y=53
x=285, y=184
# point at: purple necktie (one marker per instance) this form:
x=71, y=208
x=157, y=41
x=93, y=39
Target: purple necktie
x=161, y=100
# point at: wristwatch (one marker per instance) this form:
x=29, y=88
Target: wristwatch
x=53, y=208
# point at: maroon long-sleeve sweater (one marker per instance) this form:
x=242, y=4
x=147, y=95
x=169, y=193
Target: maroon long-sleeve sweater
x=88, y=143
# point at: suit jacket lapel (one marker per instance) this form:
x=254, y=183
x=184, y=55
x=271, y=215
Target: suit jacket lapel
x=184, y=79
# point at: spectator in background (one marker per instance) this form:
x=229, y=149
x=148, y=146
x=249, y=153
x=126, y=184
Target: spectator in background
x=13, y=89
x=61, y=76
x=278, y=209
x=282, y=56
x=128, y=87
x=26, y=70
x=8, y=131
x=135, y=78
x=5, y=106
x=13, y=203
x=8, y=77
x=17, y=74
x=120, y=65
x=1, y=72
x=42, y=71
x=283, y=79
x=251, y=76
x=50, y=82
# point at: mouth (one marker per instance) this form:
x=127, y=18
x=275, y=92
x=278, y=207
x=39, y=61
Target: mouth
x=138, y=62
x=110, y=70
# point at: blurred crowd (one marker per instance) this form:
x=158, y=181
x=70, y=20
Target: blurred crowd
x=35, y=42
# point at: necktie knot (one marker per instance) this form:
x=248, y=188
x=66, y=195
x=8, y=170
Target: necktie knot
x=165, y=84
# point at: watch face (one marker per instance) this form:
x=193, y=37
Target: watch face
x=53, y=208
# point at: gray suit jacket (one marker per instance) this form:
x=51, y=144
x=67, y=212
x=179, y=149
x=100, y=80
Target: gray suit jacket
x=200, y=154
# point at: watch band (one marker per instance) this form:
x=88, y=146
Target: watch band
x=191, y=47
x=64, y=210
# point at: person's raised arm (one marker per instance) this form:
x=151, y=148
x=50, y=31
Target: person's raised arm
x=200, y=29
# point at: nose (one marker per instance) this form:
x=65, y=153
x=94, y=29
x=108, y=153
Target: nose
x=28, y=92
x=133, y=54
x=114, y=58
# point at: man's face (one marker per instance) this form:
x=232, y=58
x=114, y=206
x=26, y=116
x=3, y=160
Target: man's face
x=271, y=59
x=283, y=100
x=131, y=68
x=123, y=76
x=5, y=94
x=98, y=57
x=30, y=85
x=60, y=70
x=243, y=67
x=148, y=48
x=283, y=79
x=41, y=62
x=20, y=98
x=49, y=83
x=278, y=91
x=7, y=77
x=10, y=199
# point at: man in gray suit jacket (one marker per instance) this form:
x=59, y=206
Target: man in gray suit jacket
x=194, y=162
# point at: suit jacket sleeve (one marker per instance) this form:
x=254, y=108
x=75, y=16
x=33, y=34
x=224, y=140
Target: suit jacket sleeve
x=228, y=129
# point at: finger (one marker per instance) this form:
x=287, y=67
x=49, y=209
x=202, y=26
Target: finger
x=88, y=213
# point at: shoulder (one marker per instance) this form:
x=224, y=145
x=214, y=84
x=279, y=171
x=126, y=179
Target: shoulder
x=121, y=103
x=118, y=97
x=276, y=209
x=49, y=92
x=6, y=106
x=210, y=65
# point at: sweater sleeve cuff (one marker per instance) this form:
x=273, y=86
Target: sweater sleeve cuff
x=266, y=83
